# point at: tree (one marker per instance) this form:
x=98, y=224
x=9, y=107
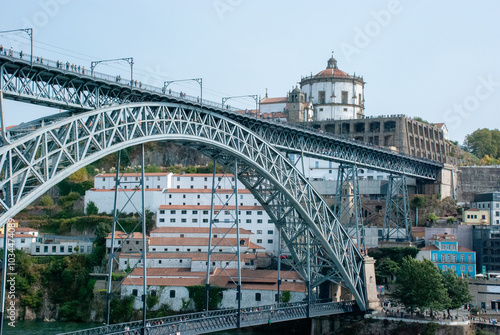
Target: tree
x=91, y=208
x=484, y=142
x=432, y=217
x=419, y=285
x=46, y=201
x=457, y=289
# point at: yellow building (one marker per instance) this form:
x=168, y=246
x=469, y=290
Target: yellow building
x=12, y=223
x=474, y=216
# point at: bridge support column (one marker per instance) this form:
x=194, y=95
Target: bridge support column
x=372, y=300
x=397, y=222
x=135, y=224
x=347, y=206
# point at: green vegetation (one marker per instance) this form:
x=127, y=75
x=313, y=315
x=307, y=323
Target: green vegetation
x=388, y=262
x=484, y=143
x=91, y=208
x=285, y=296
x=197, y=294
x=421, y=285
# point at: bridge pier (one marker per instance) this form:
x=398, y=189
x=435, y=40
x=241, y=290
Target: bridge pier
x=397, y=221
x=347, y=206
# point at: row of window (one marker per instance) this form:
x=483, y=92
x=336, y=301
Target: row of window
x=195, y=212
x=153, y=293
x=450, y=258
x=462, y=268
x=195, y=220
x=62, y=248
x=486, y=205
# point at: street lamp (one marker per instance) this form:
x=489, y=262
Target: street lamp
x=253, y=96
x=198, y=80
x=130, y=60
x=28, y=31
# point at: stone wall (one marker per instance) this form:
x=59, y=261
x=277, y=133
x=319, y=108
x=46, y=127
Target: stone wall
x=477, y=179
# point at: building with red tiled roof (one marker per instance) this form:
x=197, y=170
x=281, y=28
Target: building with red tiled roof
x=259, y=287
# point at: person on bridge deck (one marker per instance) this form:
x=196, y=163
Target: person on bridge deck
x=21, y=54
x=11, y=52
x=67, y=65
x=83, y=69
x=1, y=47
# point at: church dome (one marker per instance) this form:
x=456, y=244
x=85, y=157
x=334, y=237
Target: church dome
x=332, y=70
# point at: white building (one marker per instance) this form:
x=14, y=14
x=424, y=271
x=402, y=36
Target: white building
x=259, y=287
x=60, y=246
x=22, y=237
x=185, y=201
x=154, y=180
x=334, y=93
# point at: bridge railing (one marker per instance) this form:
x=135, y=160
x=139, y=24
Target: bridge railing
x=202, y=322
x=82, y=71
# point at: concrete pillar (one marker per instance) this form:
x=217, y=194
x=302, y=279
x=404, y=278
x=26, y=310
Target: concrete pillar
x=370, y=283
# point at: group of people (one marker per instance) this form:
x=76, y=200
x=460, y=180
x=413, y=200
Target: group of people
x=10, y=52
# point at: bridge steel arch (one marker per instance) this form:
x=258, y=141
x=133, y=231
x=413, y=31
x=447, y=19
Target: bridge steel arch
x=320, y=246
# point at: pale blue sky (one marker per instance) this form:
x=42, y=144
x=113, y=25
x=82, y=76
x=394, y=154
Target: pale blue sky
x=433, y=59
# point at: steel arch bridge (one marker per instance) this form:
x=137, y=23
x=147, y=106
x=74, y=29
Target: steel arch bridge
x=320, y=246
x=50, y=84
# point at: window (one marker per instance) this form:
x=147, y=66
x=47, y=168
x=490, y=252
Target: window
x=172, y=212
x=172, y=293
x=259, y=240
x=483, y=217
x=195, y=212
x=172, y=220
x=194, y=220
x=183, y=196
x=248, y=213
x=205, y=220
x=257, y=297
x=462, y=258
x=183, y=220
x=205, y=212
x=249, y=221
x=434, y=257
x=321, y=97
x=344, y=97
x=162, y=211
x=192, y=178
x=259, y=212
x=270, y=241
x=22, y=240
x=205, y=179
x=134, y=292
x=259, y=232
x=53, y=248
x=37, y=249
x=183, y=212
x=153, y=292
x=270, y=232
x=162, y=220
x=259, y=221
x=61, y=249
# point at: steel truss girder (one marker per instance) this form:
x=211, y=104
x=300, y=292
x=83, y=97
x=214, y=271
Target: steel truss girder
x=347, y=206
x=42, y=84
x=397, y=221
x=32, y=164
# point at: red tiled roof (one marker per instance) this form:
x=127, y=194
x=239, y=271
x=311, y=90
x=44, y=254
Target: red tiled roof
x=472, y=210
x=202, y=175
x=200, y=241
x=125, y=190
x=194, y=256
x=331, y=72
x=122, y=235
x=274, y=100
x=198, y=230
x=430, y=247
x=464, y=249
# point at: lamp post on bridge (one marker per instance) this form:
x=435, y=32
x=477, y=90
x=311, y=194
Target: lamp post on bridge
x=198, y=80
x=130, y=60
x=28, y=31
x=253, y=96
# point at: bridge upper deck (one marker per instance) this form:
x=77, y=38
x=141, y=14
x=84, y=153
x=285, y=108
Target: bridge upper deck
x=54, y=84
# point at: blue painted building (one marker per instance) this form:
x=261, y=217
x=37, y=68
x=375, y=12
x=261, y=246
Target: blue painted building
x=443, y=250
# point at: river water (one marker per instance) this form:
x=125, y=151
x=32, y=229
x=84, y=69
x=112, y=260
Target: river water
x=28, y=327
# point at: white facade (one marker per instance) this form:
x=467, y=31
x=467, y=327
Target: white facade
x=22, y=238
x=61, y=248
x=334, y=94
x=186, y=202
x=491, y=203
x=106, y=181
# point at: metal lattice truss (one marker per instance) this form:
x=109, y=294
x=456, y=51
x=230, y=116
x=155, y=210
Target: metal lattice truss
x=397, y=221
x=347, y=206
x=319, y=244
x=55, y=87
